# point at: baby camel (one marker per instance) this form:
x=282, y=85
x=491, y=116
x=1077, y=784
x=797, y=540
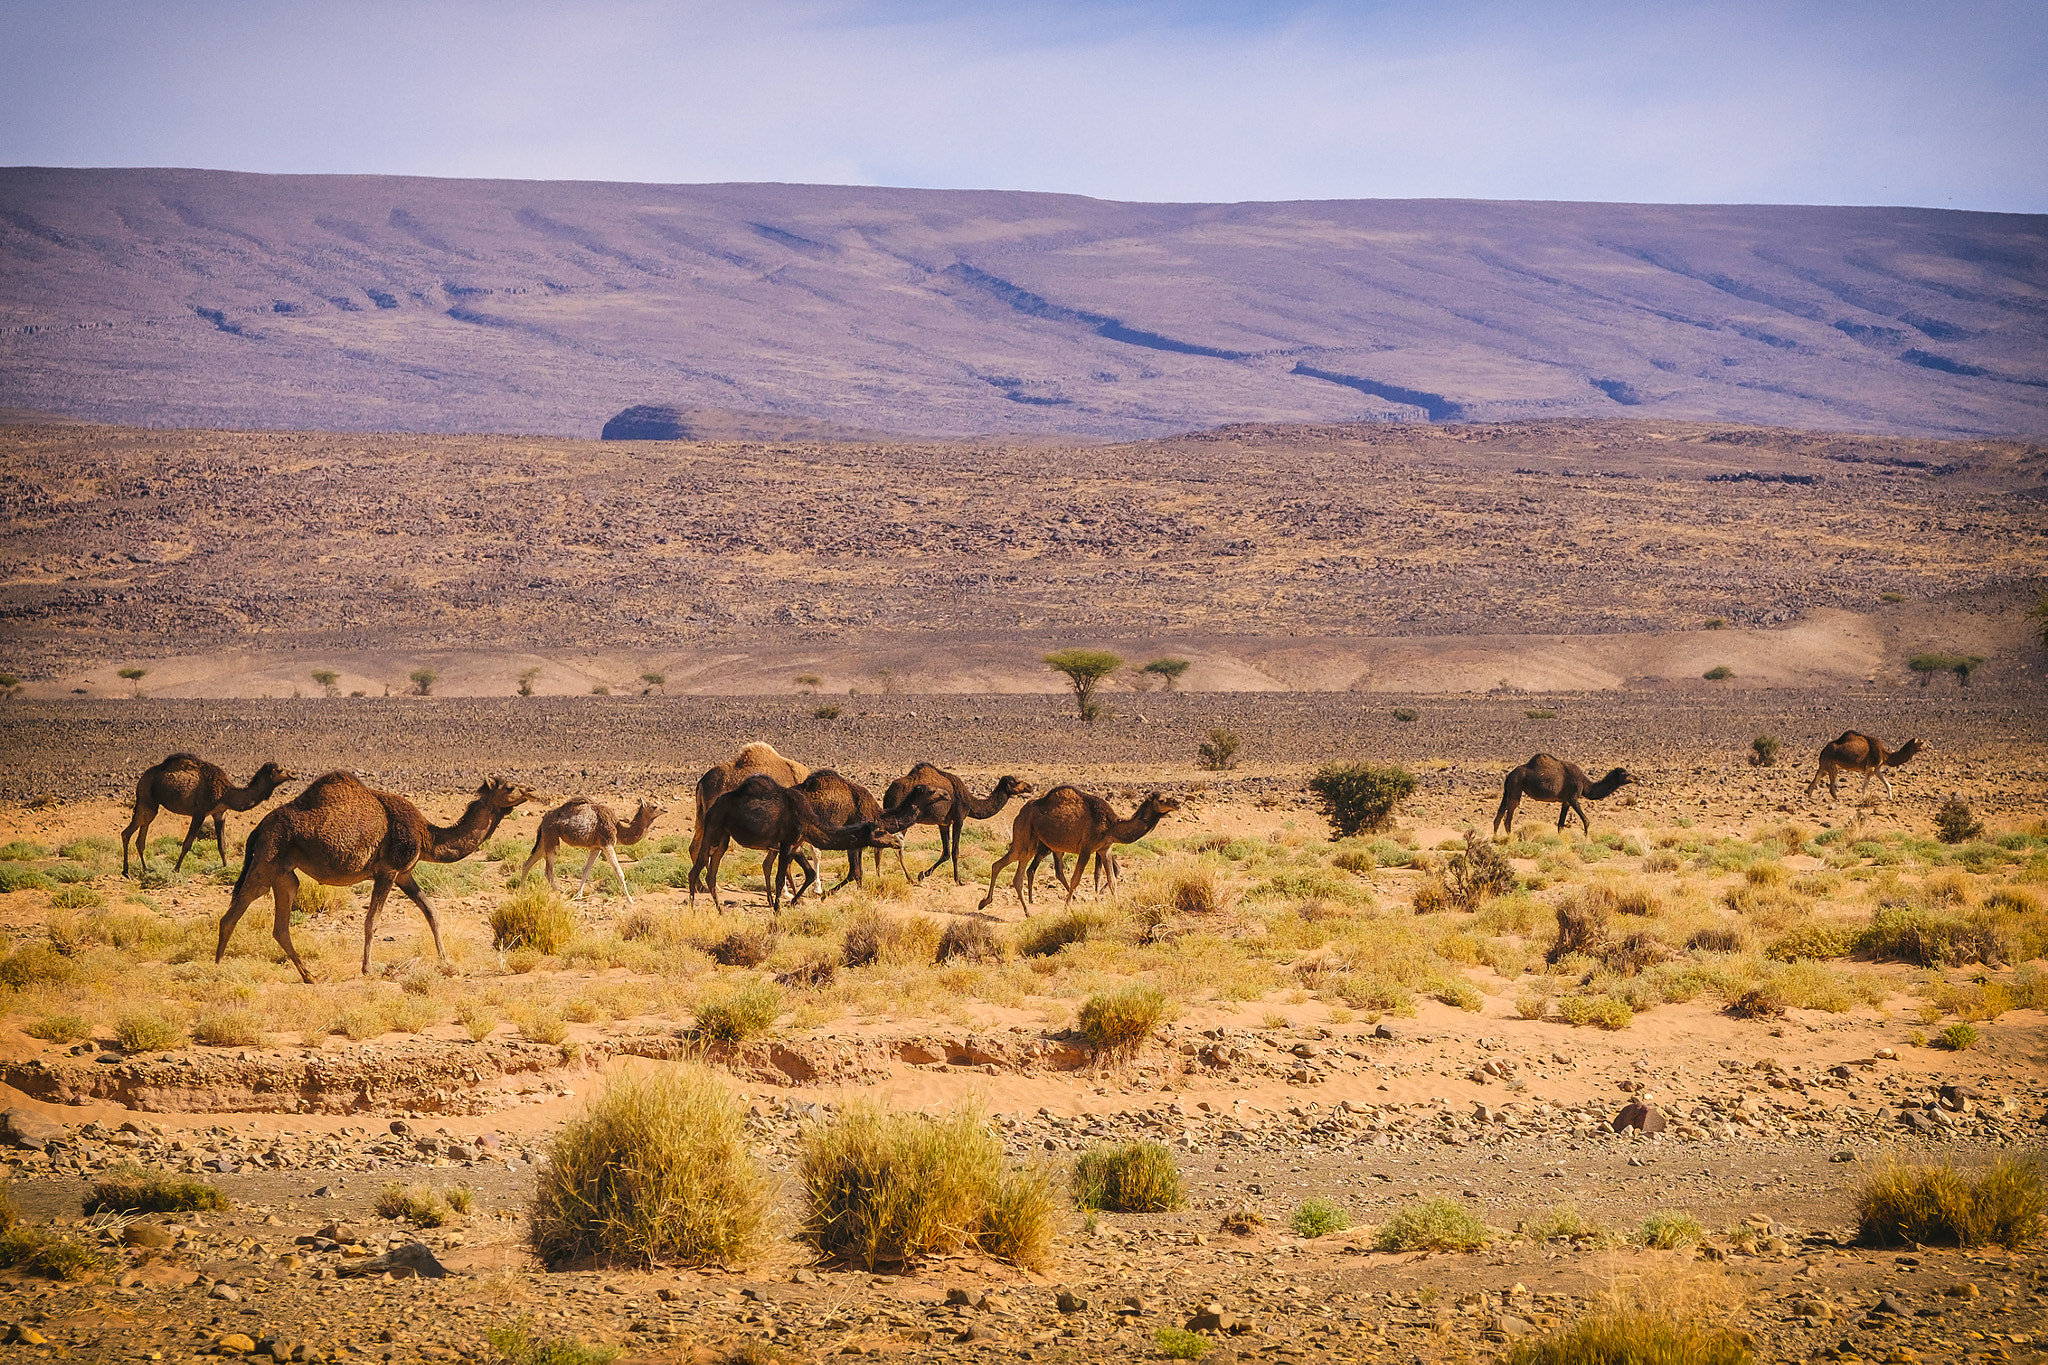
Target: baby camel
x=339, y=832
x=956, y=805
x=842, y=801
x=1544, y=778
x=583, y=823
x=185, y=785
x=1859, y=753
x=762, y=813
x=1069, y=820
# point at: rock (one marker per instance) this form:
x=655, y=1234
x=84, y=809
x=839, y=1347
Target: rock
x=1509, y=1325
x=414, y=1258
x=400, y=1128
x=146, y=1235
x=1137, y=1306
x=1214, y=1318
x=227, y=1293
x=1959, y=1097
x=1384, y=1032
x=21, y=1334
x=20, y=1128
x=1963, y=1291
x=1070, y=1302
x=1840, y=1157
x=235, y=1344
x=339, y=1232
x=1816, y=1310
x=1891, y=1306
x=1885, y=1054
x=1636, y=1114
x=961, y=1297
x=979, y=1333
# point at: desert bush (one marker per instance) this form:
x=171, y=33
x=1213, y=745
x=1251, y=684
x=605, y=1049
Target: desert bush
x=1021, y=1218
x=1937, y=1205
x=1085, y=671
x=147, y=1031
x=743, y=948
x=1957, y=1038
x=1640, y=1338
x=535, y=916
x=133, y=1189
x=35, y=964
x=1815, y=941
x=658, y=1169
x=1456, y=991
x=1360, y=798
x=228, y=1028
x=827, y=711
x=1530, y=1006
x=1668, y=1231
x=543, y=1024
x=1405, y=714
x=1718, y=673
x=740, y=1014
x=415, y=1204
x=40, y=1251
x=1962, y=665
x=1930, y=938
x=1431, y=897
x=1478, y=874
x=1178, y=1343
x=970, y=940
x=1955, y=822
x=883, y=1188
x=1218, y=753
x=1715, y=938
x=1565, y=1220
x=814, y=972
x=1117, y=1023
x=461, y=1198
x=1763, y=751
x=515, y=1341
x=876, y=938
x=1135, y=1177
x=1045, y=935
x=1436, y=1224
x=22, y=851
x=76, y=897
x=59, y=1028
x=1318, y=1217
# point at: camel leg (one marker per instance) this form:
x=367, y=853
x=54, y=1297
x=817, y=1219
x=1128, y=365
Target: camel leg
x=956, y=855
x=1009, y=856
x=380, y=889
x=1571, y=804
x=412, y=890
x=945, y=849
x=282, y=895
x=246, y=892
x=534, y=857
x=220, y=835
x=612, y=856
x=198, y=823
x=1509, y=801
x=589, y=861
x=854, y=862
x=1882, y=777
x=138, y=825
x=810, y=873
x=708, y=862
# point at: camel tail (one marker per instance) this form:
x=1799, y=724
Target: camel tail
x=248, y=861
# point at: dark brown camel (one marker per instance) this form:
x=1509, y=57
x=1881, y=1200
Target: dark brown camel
x=763, y=814
x=339, y=832
x=583, y=823
x=958, y=804
x=1069, y=820
x=185, y=785
x=842, y=801
x=1859, y=753
x=721, y=778
x=1544, y=778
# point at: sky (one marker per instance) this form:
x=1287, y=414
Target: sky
x=1942, y=104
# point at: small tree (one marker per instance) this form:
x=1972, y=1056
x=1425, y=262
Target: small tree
x=9, y=684
x=1962, y=665
x=1763, y=751
x=1360, y=798
x=329, y=681
x=1956, y=822
x=1168, y=671
x=656, y=680
x=810, y=683
x=1218, y=752
x=135, y=675
x=423, y=680
x=527, y=677
x=1085, y=669
x=1718, y=673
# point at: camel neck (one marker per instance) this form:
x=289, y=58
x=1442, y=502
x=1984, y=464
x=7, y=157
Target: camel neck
x=455, y=842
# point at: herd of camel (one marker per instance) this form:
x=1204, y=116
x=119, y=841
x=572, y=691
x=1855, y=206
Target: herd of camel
x=340, y=832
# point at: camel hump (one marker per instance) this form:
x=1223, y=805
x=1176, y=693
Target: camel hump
x=1849, y=737
x=178, y=760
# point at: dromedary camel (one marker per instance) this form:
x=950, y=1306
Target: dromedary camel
x=185, y=785
x=339, y=832
x=959, y=803
x=761, y=813
x=723, y=777
x=842, y=801
x=1544, y=778
x=1069, y=820
x=583, y=823
x=1854, y=752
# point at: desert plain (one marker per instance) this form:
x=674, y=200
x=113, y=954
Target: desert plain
x=1803, y=986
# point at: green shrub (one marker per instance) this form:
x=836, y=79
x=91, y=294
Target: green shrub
x=1930, y=938
x=1406, y=714
x=891, y=1188
x=1814, y=941
x=1177, y=1343
x=739, y=1014
x=59, y=1028
x=1477, y=874
x=45, y=1252
x=133, y=1189
x=515, y=1341
x=1360, y=798
x=1763, y=751
x=1718, y=673
x=1136, y=1177
x=1563, y=1221
x=147, y=1031
x=1437, y=1224
x=22, y=851
x=535, y=916
x=1669, y=1231
x=1218, y=753
x=77, y=896
x=658, y=1169
x=228, y=1028
x=1117, y=1023
x=1962, y=665
x=1044, y=935
x=1937, y=1205
x=415, y=1204
x=1957, y=1038
x=34, y=964
x=1634, y=1339
x=1955, y=822
x=1318, y=1217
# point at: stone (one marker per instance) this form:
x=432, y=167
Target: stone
x=21, y=1334
x=1215, y=1318
x=235, y=1344
x=400, y=1128
x=339, y=1232
x=1509, y=1325
x=960, y=1297
x=1965, y=1291
x=20, y=1128
x=1070, y=1302
x=1137, y=1306
x=1891, y=1306
x=1635, y=1114
x=225, y=1292
x=414, y=1258
x=1816, y=1310
x=148, y=1235
x=1383, y=1031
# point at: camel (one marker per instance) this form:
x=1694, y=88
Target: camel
x=952, y=813
x=761, y=813
x=1544, y=778
x=339, y=832
x=842, y=801
x=1859, y=753
x=583, y=823
x=185, y=785
x=723, y=777
x=1069, y=820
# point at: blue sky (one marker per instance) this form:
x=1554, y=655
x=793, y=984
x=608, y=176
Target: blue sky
x=1939, y=104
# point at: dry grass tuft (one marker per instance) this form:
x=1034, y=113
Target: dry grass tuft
x=743, y=948
x=415, y=1204
x=133, y=1189
x=657, y=1169
x=1117, y=1023
x=1937, y=1205
x=535, y=916
x=1437, y=1224
x=970, y=940
x=740, y=1014
x=147, y=1031
x=228, y=1028
x=1634, y=1339
x=1138, y=1177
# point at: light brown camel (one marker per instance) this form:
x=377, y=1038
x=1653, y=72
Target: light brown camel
x=958, y=804
x=1854, y=752
x=339, y=832
x=723, y=777
x=1544, y=778
x=583, y=823
x=763, y=814
x=185, y=785
x=842, y=801
x=1069, y=820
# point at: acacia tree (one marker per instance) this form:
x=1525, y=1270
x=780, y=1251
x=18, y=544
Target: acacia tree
x=423, y=680
x=1085, y=670
x=1168, y=671
x=329, y=680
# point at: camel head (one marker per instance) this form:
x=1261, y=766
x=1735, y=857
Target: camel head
x=502, y=795
x=650, y=812
x=1159, y=805
x=874, y=836
x=1013, y=786
x=1904, y=752
x=273, y=776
